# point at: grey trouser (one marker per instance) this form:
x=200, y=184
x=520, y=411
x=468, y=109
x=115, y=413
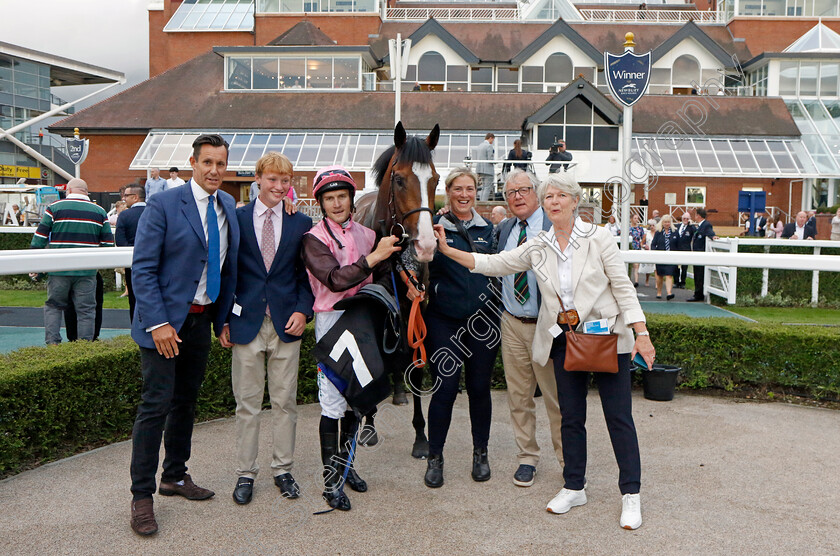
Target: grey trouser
x=486, y=186
x=60, y=290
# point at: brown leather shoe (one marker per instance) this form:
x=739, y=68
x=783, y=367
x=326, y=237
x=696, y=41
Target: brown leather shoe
x=143, y=517
x=188, y=490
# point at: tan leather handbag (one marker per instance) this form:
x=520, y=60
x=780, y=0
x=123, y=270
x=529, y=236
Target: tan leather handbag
x=597, y=353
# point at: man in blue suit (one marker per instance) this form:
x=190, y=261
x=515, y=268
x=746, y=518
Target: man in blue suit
x=272, y=305
x=126, y=232
x=520, y=298
x=184, y=276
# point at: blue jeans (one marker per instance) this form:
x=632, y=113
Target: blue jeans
x=60, y=291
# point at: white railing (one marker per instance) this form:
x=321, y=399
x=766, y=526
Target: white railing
x=653, y=16
x=723, y=280
x=311, y=208
x=453, y=14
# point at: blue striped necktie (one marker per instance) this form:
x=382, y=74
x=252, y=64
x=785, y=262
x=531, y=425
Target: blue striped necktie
x=214, y=276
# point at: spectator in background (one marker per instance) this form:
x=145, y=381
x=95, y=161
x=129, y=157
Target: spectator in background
x=800, y=229
x=685, y=232
x=119, y=206
x=486, y=170
x=254, y=191
x=655, y=216
x=637, y=243
x=154, y=184
x=517, y=153
x=498, y=214
x=760, y=224
x=643, y=202
x=698, y=243
x=648, y=268
x=665, y=239
x=835, y=226
x=612, y=225
x=135, y=200
x=72, y=222
x=558, y=152
x=774, y=227
x=174, y=180
x=812, y=220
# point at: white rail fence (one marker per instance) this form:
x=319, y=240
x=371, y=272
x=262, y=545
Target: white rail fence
x=653, y=16
x=453, y=14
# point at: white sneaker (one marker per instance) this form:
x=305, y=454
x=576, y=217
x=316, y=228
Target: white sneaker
x=631, y=511
x=566, y=500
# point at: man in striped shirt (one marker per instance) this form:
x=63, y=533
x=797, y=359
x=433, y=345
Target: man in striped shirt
x=72, y=222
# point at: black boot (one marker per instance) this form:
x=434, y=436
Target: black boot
x=353, y=480
x=399, y=392
x=481, y=467
x=333, y=489
x=434, y=471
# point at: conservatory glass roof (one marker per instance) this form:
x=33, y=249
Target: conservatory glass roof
x=213, y=15
x=819, y=122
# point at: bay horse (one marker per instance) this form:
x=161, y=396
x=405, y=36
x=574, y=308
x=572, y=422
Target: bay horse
x=404, y=206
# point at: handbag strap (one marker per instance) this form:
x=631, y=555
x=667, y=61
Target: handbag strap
x=563, y=307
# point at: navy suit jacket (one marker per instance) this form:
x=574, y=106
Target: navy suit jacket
x=285, y=287
x=506, y=227
x=170, y=253
x=703, y=231
x=127, y=226
x=790, y=229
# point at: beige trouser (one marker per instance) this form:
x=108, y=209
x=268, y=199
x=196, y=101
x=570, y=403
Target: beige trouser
x=523, y=374
x=248, y=374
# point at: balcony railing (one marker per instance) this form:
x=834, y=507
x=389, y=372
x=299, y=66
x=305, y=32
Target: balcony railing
x=653, y=16
x=453, y=14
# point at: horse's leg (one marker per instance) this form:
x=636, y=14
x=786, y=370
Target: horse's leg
x=420, y=449
x=368, y=436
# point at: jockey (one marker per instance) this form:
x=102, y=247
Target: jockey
x=340, y=259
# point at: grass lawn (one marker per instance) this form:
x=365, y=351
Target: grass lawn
x=18, y=298
x=804, y=315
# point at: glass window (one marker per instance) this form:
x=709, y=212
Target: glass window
x=456, y=73
x=578, y=111
x=605, y=139
x=708, y=162
x=547, y=135
x=825, y=8
x=695, y=196
x=508, y=80
x=255, y=149
x=660, y=76
x=532, y=74
x=265, y=73
x=558, y=68
x=237, y=148
x=808, y=78
x=744, y=156
x=482, y=79
x=432, y=67
x=763, y=157
x=459, y=149
x=239, y=73
x=558, y=117
x=318, y=73
x=725, y=156
x=578, y=138
x=411, y=73
x=788, y=74
x=686, y=71
x=781, y=156
x=828, y=79
x=687, y=155
x=309, y=151
x=293, y=146
x=292, y=73
x=346, y=73
x=774, y=7
x=329, y=150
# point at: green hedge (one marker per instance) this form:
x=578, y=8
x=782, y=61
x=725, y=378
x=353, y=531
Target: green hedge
x=794, y=284
x=59, y=400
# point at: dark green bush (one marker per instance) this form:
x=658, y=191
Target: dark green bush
x=59, y=400
x=795, y=284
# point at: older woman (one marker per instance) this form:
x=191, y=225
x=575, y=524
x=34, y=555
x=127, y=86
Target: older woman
x=581, y=264
x=835, y=226
x=637, y=243
x=665, y=239
x=462, y=323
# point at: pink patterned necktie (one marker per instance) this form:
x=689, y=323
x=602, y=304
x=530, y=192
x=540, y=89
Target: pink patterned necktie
x=267, y=247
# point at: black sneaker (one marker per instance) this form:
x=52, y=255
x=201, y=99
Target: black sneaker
x=287, y=485
x=480, y=467
x=434, y=471
x=524, y=476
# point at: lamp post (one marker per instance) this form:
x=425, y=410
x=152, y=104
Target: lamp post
x=398, y=50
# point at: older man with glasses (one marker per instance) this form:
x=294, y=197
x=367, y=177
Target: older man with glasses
x=521, y=300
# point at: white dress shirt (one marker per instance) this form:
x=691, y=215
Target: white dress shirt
x=174, y=182
x=261, y=212
x=800, y=232
x=564, y=271
x=201, y=201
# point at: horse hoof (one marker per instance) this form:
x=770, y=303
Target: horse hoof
x=400, y=399
x=420, y=449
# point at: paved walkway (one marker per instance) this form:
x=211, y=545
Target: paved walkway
x=719, y=477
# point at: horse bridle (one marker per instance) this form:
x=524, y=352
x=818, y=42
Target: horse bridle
x=397, y=228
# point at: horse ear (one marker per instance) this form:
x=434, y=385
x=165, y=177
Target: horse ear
x=399, y=135
x=432, y=139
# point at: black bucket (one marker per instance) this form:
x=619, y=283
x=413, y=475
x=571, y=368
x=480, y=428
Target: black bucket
x=659, y=384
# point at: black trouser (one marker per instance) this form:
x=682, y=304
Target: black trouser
x=614, y=390
x=682, y=274
x=70, y=322
x=451, y=347
x=699, y=279
x=131, y=299
x=167, y=408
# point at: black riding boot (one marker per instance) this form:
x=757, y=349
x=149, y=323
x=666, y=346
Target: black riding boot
x=333, y=491
x=348, y=430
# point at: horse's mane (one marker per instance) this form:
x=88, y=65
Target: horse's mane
x=414, y=150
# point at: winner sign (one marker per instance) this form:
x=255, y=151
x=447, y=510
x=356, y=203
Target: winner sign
x=628, y=76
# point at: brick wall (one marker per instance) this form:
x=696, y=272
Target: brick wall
x=350, y=30
x=774, y=35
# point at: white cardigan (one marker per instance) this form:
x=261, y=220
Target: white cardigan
x=602, y=287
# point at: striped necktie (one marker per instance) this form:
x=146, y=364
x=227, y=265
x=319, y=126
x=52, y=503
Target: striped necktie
x=520, y=279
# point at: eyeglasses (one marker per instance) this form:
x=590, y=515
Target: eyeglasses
x=522, y=191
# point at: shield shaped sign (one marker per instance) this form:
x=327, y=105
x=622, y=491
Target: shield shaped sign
x=77, y=150
x=628, y=76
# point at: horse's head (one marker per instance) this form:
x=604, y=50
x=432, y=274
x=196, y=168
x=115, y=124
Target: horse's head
x=407, y=181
